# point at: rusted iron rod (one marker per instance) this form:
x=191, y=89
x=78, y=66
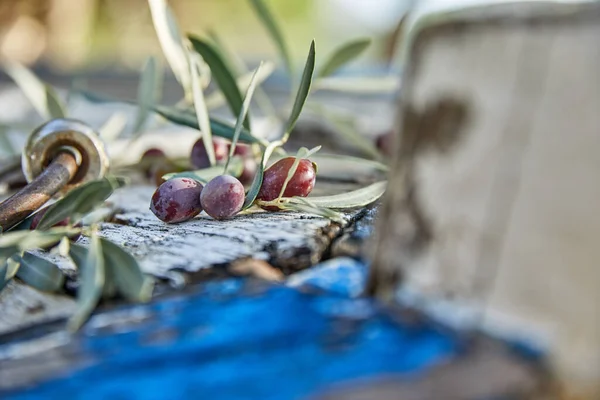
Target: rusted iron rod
x=29, y=199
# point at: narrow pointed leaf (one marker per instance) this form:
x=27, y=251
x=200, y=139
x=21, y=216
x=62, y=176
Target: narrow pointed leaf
x=218, y=128
x=41, y=96
x=8, y=269
x=80, y=201
x=149, y=89
x=40, y=273
x=342, y=55
x=125, y=271
x=242, y=115
x=91, y=266
x=18, y=241
x=356, y=198
x=303, y=205
x=266, y=17
x=201, y=109
x=303, y=91
x=223, y=75
x=171, y=43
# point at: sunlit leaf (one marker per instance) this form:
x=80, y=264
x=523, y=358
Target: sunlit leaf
x=8, y=269
x=356, y=198
x=266, y=17
x=80, y=201
x=17, y=241
x=40, y=273
x=91, y=266
x=125, y=271
x=304, y=205
x=342, y=55
x=171, y=43
x=242, y=115
x=223, y=76
x=347, y=168
x=201, y=109
x=258, y=177
x=360, y=85
x=235, y=168
x=218, y=128
x=149, y=89
x=302, y=93
x=41, y=96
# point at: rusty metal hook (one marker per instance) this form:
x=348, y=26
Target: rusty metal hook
x=59, y=155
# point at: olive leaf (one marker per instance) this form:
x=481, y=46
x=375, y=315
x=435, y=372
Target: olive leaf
x=92, y=276
x=362, y=85
x=268, y=20
x=356, y=198
x=242, y=115
x=149, y=89
x=347, y=168
x=200, y=107
x=171, y=43
x=41, y=96
x=223, y=76
x=40, y=273
x=258, y=177
x=235, y=168
x=305, y=205
x=125, y=272
x=302, y=93
x=80, y=201
x=300, y=155
x=342, y=55
x=218, y=128
x=8, y=269
x=18, y=241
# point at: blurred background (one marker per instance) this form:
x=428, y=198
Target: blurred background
x=69, y=37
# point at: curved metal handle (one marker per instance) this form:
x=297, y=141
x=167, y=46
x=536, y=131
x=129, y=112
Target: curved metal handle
x=53, y=179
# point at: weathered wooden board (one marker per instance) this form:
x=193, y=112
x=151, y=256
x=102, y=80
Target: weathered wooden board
x=495, y=188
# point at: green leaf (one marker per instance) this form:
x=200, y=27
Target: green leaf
x=235, y=168
x=90, y=263
x=80, y=201
x=125, y=271
x=356, y=198
x=8, y=269
x=201, y=109
x=171, y=43
x=342, y=55
x=40, y=273
x=41, y=96
x=268, y=20
x=258, y=177
x=242, y=115
x=224, y=77
x=348, y=168
x=218, y=128
x=304, y=205
x=359, y=85
x=302, y=93
x=149, y=89
x=113, y=127
x=17, y=241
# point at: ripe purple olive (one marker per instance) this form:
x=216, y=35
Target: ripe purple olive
x=301, y=184
x=199, y=156
x=242, y=150
x=222, y=197
x=177, y=200
x=37, y=218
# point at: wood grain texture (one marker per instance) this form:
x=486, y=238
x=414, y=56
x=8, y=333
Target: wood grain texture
x=512, y=206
